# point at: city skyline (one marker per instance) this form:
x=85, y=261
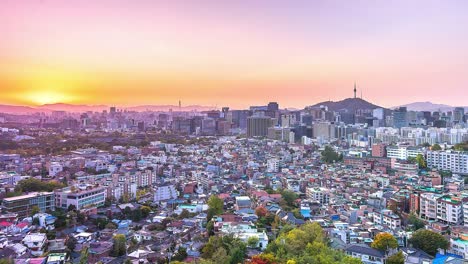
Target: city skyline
x=236, y=54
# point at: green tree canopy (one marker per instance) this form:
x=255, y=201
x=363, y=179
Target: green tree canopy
x=329, y=155
x=421, y=161
x=120, y=245
x=436, y=147
x=397, y=258
x=84, y=255
x=415, y=221
x=215, y=206
x=428, y=241
x=36, y=185
x=305, y=244
x=384, y=242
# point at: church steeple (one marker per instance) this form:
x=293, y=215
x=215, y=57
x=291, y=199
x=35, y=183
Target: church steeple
x=355, y=90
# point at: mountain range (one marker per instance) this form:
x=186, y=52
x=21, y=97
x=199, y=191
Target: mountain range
x=47, y=108
x=428, y=106
x=349, y=104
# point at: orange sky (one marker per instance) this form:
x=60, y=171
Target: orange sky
x=236, y=54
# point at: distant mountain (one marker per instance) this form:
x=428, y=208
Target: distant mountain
x=428, y=106
x=142, y=108
x=72, y=108
x=349, y=104
x=15, y=109
x=47, y=108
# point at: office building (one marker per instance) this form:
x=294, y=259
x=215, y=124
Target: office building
x=400, y=118
x=83, y=197
x=257, y=126
x=23, y=204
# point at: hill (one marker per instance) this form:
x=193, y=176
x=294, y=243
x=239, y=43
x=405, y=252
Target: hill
x=348, y=104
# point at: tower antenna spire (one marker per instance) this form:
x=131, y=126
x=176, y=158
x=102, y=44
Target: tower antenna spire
x=355, y=89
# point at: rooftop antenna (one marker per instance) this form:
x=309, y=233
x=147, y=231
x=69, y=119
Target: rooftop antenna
x=361, y=94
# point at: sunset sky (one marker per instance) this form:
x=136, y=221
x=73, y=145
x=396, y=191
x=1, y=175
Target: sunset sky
x=236, y=53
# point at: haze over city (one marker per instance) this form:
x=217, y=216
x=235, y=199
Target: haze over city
x=235, y=53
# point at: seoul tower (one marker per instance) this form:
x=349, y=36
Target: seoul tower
x=354, y=90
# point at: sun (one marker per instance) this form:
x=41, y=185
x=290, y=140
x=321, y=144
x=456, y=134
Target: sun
x=49, y=96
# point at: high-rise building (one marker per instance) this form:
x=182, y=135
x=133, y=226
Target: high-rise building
x=257, y=126
x=454, y=161
x=458, y=114
x=400, y=118
x=324, y=130
x=378, y=150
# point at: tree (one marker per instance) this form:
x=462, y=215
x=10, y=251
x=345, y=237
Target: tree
x=289, y=197
x=261, y=211
x=221, y=256
x=330, y=156
x=71, y=243
x=120, y=245
x=416, y=223
x=252, y=241
x=397, y=258
x=181, y=254
x=384, y=241
x=7, y=261
x=421, y=161
x=71, y=207
x=137, y=215
x=34, y=210
x=428, y=241
x=145, y=210
x=184, y=214
x=35, y=221
x=215, y=206
x=111, y=225
x=264, y=258
x=210, y=228
x=84, y=255
x=36, y=185
x=436, y=147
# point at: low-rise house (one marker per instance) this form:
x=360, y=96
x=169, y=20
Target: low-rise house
x=366, y=254
x=99, y=250
x=36, y=243
x=244, y=231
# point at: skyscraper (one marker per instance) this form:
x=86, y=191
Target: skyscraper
x=458, y=114
x=257, y=126
x=399, y=118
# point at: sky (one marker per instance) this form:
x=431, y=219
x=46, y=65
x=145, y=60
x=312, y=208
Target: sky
x=234, y=53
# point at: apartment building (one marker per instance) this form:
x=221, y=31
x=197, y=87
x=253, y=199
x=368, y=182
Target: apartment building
x=164, y=193
x=454, y=161
x=403, y=152
x=450, y=210
x=428, y=206
x=319, y=194
x=387, y=218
